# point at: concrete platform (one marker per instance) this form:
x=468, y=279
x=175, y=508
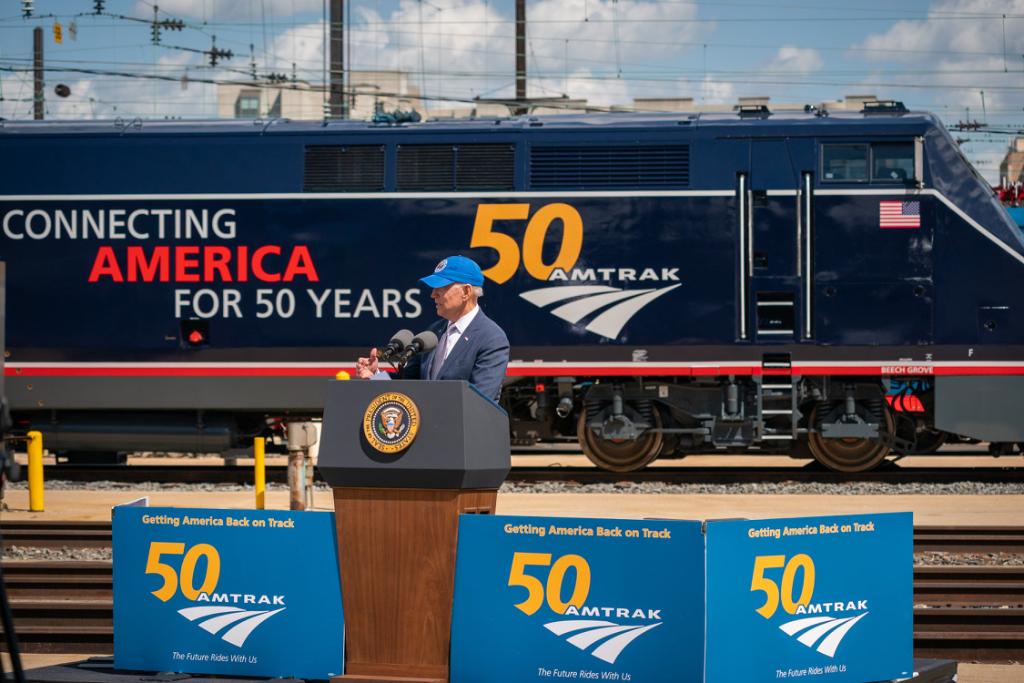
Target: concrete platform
x=977, y=510
x=569, y=456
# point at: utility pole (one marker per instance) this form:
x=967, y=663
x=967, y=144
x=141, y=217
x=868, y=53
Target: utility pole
x=37, y=67
x=339, y=104
x=521, y=51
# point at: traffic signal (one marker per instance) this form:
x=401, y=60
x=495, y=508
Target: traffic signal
x=58, y=34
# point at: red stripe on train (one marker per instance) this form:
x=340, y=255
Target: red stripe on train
x=173, y=372
x=518, y=371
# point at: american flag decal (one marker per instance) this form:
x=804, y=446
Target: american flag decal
x=899, y=214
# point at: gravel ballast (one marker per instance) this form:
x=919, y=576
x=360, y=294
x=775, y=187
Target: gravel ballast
x=925, y=559
x=857, y=488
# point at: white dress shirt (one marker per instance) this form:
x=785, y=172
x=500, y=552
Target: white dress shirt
x=451, y=338
x=448, y=341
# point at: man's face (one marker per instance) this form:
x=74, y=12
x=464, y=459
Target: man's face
x=451, y=300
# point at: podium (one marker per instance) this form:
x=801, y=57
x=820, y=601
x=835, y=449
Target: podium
x=404, y=459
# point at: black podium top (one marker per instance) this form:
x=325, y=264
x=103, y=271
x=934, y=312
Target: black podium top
x=413, y=434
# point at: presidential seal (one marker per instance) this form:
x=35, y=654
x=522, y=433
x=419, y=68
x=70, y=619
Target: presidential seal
x=391, y=422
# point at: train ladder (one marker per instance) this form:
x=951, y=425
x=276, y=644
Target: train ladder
x=777, y=397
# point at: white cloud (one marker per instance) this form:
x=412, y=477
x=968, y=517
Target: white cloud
x=717, y=92
x=583, y=84
x=458, y=48
x=109, y=98
x=610, y=32
x=795, y=60
x=219, y=10
x=954, y=55
x=598, y=50
x=303, y=45
x=465, y=48
x=910, y=40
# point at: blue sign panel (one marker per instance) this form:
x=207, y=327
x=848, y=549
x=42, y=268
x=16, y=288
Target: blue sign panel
x=543, y=598
x=237, y=592
x=825, y=599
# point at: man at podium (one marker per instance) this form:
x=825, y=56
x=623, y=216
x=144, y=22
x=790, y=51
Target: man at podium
x=470, y=345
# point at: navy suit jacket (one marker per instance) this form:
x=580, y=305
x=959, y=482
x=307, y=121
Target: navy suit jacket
x=480, y=356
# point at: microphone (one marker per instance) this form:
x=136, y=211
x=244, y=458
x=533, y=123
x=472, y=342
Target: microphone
x=399, y=340
x=421, y=343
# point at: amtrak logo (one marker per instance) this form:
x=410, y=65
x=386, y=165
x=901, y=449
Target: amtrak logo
x=620, y=305
x=613, y=638
x=214, y=619
x=824, y=634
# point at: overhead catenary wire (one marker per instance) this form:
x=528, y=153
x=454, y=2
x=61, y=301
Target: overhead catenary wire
x=948, y=52
x=642, y=76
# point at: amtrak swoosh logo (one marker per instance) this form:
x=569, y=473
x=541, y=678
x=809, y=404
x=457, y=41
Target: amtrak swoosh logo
x=620, y=304
x=829, y=630
x=242, y=622
x=584, y=633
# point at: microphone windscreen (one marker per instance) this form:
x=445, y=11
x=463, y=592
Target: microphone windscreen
x=428, y=339
x=403, y=337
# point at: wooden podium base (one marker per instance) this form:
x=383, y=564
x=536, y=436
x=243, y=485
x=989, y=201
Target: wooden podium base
x=347, y=678
x=396, y=551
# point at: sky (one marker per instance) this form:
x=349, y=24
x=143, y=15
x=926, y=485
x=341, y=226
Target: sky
x=962, y=59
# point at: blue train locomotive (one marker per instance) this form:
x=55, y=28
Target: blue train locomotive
x=839, y=286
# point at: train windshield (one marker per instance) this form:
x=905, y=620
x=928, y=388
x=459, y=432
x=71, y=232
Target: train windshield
x=892, y=162
x=844, y=163
x=878, y=162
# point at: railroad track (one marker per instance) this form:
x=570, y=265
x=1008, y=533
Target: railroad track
x=45, y=534
x=963, y=613
x=810, y=473
x=954, y=539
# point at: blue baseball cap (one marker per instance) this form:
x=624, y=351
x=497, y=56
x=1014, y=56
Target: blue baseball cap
x=455, y=269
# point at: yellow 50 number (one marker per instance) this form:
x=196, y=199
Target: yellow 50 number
x=533, y=241
x=188, y=569
x=556, y=577
x=773, y=592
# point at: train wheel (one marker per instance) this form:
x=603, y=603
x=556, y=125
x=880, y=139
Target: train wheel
x=615, y=455
x=928, y=442
x=922, y=440
x=849, y=455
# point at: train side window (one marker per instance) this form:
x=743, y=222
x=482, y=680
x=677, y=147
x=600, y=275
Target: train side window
x=892, y=162
x=844, y=163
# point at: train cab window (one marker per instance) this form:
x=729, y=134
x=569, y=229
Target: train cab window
x=892, y=162
x=844, y=163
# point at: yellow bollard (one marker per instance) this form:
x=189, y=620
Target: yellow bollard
x=35, y=471
x=259, y=445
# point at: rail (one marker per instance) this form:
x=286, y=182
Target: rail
x=956, y=539
x=813, y=473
